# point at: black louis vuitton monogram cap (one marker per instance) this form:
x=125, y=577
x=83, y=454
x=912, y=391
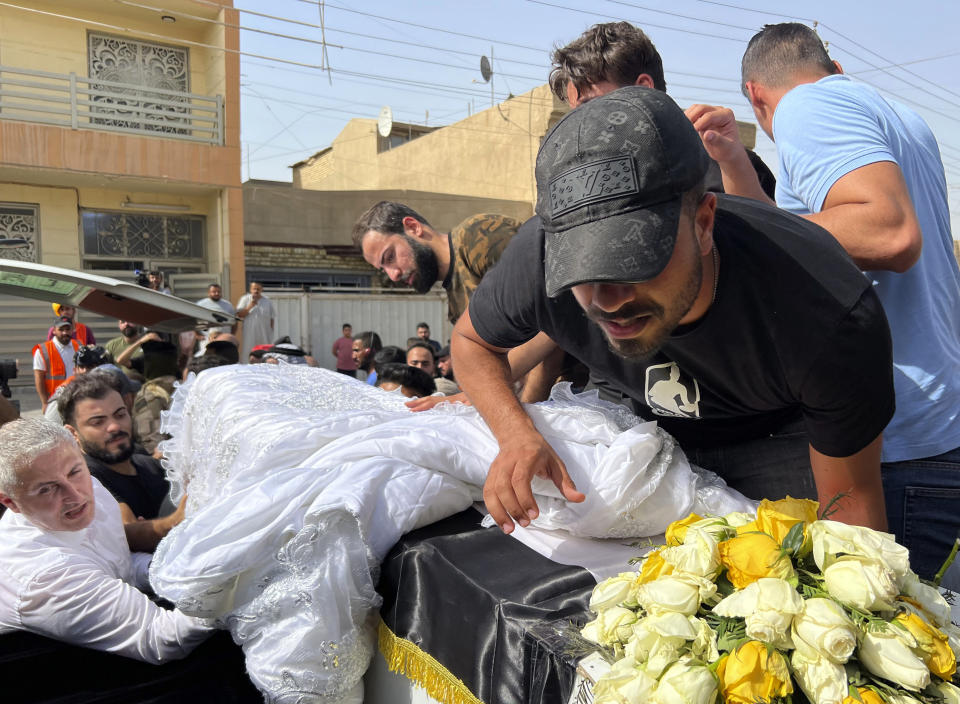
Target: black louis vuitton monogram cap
x=610, y=180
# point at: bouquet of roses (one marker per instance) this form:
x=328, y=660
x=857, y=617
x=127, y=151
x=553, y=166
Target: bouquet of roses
x=758, y=609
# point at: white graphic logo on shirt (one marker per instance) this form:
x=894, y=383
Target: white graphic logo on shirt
x=669, y=392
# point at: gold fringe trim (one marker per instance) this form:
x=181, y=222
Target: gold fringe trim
x=405, y=658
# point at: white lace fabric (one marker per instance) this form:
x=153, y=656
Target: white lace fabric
x=300, y=480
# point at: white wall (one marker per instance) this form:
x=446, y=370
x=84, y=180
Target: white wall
x=314, y=320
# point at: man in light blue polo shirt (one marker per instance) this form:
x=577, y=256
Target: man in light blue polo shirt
x=868, y=170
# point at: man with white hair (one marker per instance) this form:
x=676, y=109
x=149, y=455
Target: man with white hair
x=66, y=571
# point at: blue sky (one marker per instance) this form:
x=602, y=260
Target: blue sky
x=422, y=59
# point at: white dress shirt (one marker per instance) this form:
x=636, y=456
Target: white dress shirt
x=81, y=587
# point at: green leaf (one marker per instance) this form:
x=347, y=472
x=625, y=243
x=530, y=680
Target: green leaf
x=794, y=539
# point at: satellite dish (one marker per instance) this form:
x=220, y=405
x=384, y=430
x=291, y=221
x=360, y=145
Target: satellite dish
x=385, y=121
x=485, y=69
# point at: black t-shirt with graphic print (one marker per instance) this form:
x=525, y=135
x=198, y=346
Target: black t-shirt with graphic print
x=795, y=329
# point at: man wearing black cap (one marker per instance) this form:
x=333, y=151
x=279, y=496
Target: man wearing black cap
x=726, y=320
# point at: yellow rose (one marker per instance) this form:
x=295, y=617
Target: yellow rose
x=867, y=696
x=776, y=518
x=654, y=566
x=751, y=556
x=749, y=675
x=677, y=530
x=933, y=645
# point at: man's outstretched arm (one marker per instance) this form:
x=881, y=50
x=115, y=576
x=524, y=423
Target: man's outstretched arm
x=486, y=378
x=857, y=478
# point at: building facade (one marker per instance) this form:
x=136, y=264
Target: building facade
x=119, y=147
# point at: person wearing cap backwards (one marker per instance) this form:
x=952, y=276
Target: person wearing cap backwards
x=746, y=332
x=53, y=361
x=81, y=333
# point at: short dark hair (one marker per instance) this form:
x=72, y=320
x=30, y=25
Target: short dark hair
x=391, y=354
x=424, y=345
x=422, y=325
x=778, y=52
x=346, y=325
x=213, y=284
x=371, y=340
x=614, y=51
x=412, y=378
x=385, y=216
x=82, y=387
x=207, y=361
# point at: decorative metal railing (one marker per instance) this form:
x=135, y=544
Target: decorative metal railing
x=69, y=100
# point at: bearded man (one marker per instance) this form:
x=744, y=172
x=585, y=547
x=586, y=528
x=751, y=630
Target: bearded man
x=97, y=417
x=400, y=242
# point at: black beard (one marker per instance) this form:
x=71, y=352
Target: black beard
x=427, y=267
x=100, y=453
x=129, y=332
x=668, y=318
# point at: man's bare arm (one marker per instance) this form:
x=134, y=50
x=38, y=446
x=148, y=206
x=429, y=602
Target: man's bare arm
x=39, y=383
x=487, y=380
x=521, y=359
x=870, y=212
x=856, y=476
x=144, y=536
x=126, y=357
x=717, y=127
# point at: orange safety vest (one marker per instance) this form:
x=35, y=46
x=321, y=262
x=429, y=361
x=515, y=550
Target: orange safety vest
x=82, y=333
x=56, y=374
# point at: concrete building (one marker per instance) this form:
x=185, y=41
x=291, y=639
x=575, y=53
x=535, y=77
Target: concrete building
x=484, y=163
x=119, y=146
x=298, y=238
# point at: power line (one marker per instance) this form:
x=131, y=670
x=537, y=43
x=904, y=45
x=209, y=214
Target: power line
x=648, y=24
x=427, y=27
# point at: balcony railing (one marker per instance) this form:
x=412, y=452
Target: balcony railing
x=69, y=100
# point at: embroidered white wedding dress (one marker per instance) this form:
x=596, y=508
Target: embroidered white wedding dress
x=300, y=480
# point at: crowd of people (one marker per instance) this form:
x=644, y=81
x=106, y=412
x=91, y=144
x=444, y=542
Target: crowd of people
x=796, y=336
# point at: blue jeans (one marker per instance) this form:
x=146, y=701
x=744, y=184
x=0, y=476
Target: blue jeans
x=923, y=510
x=771, y=467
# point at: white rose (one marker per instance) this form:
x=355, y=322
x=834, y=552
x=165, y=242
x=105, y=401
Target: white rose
x=823, y=681
x=670, y=628
x=697, y=555
x=896, y=698
x=929, y=598
x=767, y=606
x=624, y=683
x=685, y=683
x=613, y=625
x=888, y=654
x=861, y=583
x=716, y=526
x=739, y=518
x=704, y=646
x=950, y=693
x=832, y=539
x=682, y=593
x=822, y=628
x=664, y=636
x=614, y=592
